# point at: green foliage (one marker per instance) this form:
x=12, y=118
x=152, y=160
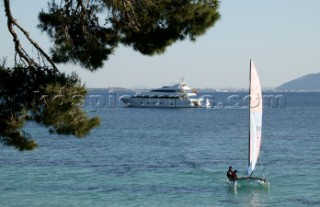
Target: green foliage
x=149, y=26
x=62, y=112
x=45, y=97
x=77, y=35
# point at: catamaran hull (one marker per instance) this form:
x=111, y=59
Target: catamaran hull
x=247, y=181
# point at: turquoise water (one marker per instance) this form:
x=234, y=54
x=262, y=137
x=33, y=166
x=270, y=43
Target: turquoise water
x=170, y=157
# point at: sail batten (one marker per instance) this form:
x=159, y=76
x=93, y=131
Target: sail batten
x=255, y=122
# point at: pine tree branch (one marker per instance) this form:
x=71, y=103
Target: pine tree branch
x=43, y=53
x=11, y=22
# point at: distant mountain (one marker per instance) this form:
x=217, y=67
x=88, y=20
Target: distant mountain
x=309, y=82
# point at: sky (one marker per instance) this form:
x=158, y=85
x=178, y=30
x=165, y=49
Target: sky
x=282, y=37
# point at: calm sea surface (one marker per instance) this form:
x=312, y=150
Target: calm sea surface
x=170, y=157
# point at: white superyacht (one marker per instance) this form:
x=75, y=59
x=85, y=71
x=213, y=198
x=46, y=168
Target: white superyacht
x=174, y=96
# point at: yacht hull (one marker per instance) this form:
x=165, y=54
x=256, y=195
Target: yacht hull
x=159, y=102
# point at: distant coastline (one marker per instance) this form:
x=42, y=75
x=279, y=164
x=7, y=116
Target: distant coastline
x=222, y=90
x=306, y=83
x=310, y=82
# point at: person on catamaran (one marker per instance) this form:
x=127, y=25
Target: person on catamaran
x=234, y=177
x=230, y=173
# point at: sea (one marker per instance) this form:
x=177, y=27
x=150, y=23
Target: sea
x=169, y=157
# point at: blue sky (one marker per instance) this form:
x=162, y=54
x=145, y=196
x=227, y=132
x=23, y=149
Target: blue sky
x=281, y=36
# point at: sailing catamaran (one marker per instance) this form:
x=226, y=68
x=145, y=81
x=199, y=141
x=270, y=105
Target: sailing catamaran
x=255, y=123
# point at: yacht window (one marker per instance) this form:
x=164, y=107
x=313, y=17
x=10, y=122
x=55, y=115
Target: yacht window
x=164, y=91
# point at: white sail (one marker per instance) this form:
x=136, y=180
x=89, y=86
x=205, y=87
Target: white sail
x=208, y=104
x=255, y=119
